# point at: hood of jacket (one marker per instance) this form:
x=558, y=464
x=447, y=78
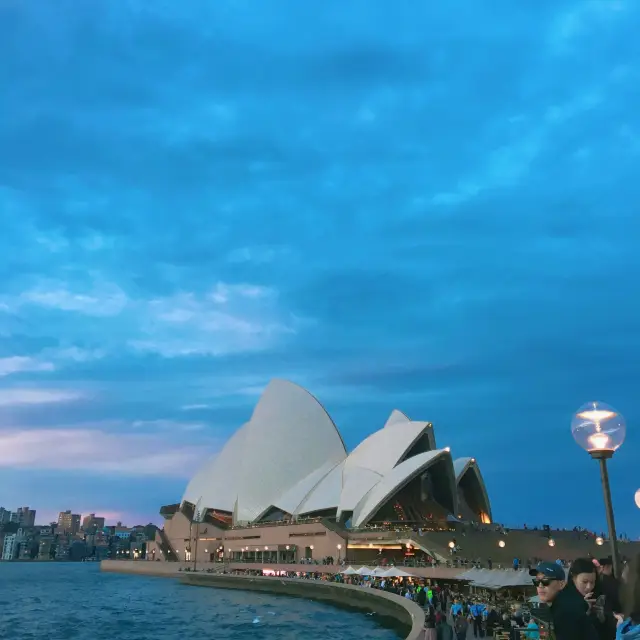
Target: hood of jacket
x=628, y=631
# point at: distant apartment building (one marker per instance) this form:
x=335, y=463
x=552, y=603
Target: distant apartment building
x=92, y=523
x=69, y=522
x=10, y=547
x=26, y=517
x=5, y=515
x=14, y=544
x=123, y=533
x=46, y=549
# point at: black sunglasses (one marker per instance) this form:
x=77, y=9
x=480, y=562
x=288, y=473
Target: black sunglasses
x=543, y=582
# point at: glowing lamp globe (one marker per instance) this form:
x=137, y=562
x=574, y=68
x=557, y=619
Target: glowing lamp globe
x=552, y=542
x=452, y=544
x=502, y=544
x=598, y=428
x=599, y=541
x=638, y=498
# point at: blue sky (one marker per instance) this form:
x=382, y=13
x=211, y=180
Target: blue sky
x=429, y=207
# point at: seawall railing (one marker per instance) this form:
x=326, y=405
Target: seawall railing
x=389, y=609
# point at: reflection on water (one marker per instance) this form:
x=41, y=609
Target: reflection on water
x=64, y=601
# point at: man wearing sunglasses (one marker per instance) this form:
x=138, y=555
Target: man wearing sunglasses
x=569, y=620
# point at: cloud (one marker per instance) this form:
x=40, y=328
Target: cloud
x=520, y=143
x=446, y=223
x=23, y=364
x=97, y=452
x=223, y=292
x=168, y=425
x=582, y=18
x=258, y=254
x=13, y=397
x=226, y=318
x=105, y=299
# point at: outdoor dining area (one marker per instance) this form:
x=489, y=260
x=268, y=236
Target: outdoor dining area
x=377, y=572
x=496, y=578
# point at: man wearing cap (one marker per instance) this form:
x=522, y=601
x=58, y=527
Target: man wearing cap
x=569, y=620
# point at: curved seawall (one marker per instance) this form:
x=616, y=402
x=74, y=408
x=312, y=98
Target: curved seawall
x=404, y=613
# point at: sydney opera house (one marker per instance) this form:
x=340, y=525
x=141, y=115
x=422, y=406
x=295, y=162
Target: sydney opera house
x=284, y=487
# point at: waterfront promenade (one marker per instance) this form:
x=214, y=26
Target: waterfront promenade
x=171, y=568
x=387, y=605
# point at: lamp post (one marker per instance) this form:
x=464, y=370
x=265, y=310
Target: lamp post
x=600, y=430
x=198, y=517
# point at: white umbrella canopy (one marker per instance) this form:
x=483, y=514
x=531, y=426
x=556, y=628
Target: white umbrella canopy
x=349, y=571
x=364, y=571
x=394, y=572
x=471, y=574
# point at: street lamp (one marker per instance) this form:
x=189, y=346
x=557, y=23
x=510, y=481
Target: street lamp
x=339, y=546
x=600, y=430
x=599, y=541
x=502, y=544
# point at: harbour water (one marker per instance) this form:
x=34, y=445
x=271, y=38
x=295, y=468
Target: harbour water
x=76, y=601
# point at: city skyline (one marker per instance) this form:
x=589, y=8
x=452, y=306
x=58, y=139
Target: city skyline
x=392, y=209
x=50, y=517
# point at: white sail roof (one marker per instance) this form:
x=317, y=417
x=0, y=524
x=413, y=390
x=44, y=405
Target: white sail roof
x=395, y=417
x=216, y=483
x=461, y=467
x=290, y=456
x=251, y=468
x=325, y=495
x=395, y=480
x=293, y=498
x=376, y=456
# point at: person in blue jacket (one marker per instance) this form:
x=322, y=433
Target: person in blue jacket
x=629, y=622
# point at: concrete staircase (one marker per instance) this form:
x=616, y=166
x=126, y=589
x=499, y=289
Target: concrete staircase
x=167, y=550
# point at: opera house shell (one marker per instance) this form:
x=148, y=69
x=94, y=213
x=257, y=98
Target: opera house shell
x=289, y=462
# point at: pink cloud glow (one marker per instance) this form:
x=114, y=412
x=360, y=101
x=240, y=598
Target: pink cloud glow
x=97, y=452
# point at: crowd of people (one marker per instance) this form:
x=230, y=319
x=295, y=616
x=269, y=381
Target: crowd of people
x=587, y=602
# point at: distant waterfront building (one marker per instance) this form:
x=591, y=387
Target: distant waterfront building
x=5, y=515
x=26, y=517
x=10, y=547
x=92, y=523
x=69, y=522
x=46, y=550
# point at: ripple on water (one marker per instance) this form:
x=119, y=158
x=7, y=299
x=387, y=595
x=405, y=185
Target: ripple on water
x=78, y=602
